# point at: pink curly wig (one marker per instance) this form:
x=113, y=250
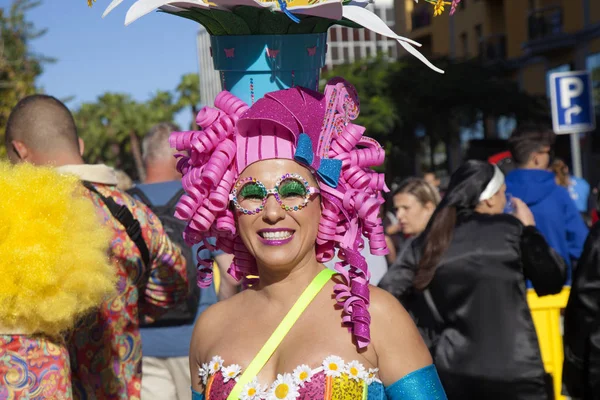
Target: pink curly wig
x=233, y=136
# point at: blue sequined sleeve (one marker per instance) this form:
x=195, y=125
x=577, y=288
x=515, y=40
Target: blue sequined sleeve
x=422, y=384
x=196, y=395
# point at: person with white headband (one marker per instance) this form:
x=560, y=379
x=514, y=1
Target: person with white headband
x=463, y=281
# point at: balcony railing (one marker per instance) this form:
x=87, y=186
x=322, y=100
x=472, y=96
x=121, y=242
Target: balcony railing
x=545, y=22
x=493, y=48
x=421, y=18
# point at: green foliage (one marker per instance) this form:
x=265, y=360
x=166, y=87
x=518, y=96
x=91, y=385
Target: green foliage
x=370, y=77
x=114, y=125
x=18, y=66
x=397, y=97
x=188, y=91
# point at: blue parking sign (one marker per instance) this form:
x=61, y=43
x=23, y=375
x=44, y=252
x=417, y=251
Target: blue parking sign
x=572, y=102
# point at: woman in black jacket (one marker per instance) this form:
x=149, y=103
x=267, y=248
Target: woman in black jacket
x=581, y=372
x=464, y=282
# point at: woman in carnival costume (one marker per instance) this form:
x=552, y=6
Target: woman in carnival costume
x=53, y=268
x=282, y=179
x=284, y=185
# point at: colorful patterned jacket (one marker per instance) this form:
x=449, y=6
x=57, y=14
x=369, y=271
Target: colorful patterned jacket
x=105, y=348
x=34, y=368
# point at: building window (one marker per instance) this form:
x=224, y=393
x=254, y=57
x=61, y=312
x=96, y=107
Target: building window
x=479, y=38
x=464, y=44
x=478, y=32
x=335, y=54
x=389, y=15
x=560, y=68
x=592, y=64
x=505, y=126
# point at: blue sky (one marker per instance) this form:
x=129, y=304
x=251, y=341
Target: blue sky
x=96, y=55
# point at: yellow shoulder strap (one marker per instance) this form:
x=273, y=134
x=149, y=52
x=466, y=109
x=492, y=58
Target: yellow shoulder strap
x=281, y=332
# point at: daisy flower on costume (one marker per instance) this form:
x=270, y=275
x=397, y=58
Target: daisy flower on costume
x=253, y=391
x=302, y=374
x=333, y=366
x=355, y=370
x=371, y=375
x=203, y=373
x=215, y=365
x=230, y=372
x=284, y=388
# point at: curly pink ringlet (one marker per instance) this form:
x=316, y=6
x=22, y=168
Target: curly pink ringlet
x=234, y=136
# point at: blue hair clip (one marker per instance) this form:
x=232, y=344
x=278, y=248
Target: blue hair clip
x=328, y=169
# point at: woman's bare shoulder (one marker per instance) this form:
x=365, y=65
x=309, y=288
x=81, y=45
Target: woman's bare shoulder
x=211, y=323
x=396, y=340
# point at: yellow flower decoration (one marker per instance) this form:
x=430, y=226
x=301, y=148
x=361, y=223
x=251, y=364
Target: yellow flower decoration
x=438, y=6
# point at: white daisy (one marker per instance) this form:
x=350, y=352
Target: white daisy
x=302, y=374
x=333, y=366
x=230, y=372
x=203, y=373
x=371, y=375
x=355, y=370
x=215, y=365
x=253, y=391
x=284, y=388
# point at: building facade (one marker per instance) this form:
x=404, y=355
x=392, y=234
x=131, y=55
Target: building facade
x=210, y=84
x=532, y=38
x=526, y=39
x=346, y=45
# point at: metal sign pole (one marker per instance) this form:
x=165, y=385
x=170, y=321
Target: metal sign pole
x=576, y=155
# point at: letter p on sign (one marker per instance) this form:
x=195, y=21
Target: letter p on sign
x=570, y=88
x=572, y=103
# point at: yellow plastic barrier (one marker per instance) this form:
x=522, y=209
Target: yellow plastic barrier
x=546, y=318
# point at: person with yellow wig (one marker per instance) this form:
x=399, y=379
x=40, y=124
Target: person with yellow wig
x=54, y=267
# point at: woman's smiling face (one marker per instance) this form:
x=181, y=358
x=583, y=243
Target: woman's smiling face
x=278, y=238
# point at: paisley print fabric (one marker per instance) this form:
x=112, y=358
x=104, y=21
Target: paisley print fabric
x=105, y=347
x=33, y=368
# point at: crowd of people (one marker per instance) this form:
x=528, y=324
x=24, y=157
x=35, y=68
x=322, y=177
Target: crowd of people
x=263, y=257
x=286, y=221
x=461, y=260
x=464, y=267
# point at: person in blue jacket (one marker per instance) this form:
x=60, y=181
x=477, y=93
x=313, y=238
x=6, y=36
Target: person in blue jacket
x=555, y=213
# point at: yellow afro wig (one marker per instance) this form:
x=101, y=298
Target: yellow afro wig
x=54, y=263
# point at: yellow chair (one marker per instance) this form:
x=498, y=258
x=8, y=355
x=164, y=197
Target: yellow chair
x=546, y=318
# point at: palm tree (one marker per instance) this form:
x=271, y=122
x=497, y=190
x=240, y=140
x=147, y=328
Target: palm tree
x=189, y=95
